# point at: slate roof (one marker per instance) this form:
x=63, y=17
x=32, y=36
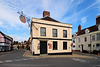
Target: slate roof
x=91, y=29
x=49, y=19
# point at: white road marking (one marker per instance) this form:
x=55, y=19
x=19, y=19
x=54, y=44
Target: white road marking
x=17, y=60
x=8, y=61
x=25, y=59
x=80, y=60
x=1, y=61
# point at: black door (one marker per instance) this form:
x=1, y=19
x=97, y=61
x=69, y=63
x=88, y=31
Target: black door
x=43, y=47
x=82, y=47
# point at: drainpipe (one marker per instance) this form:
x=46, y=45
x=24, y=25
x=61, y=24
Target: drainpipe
x=90, y=43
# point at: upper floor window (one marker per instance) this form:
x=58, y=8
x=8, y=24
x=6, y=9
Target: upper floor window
x=98, y=36
x=43, y=31
x=54, y=32
x=64, y=33
x=79, y=40
x=86, y=31
x=85, y=39
x=93, y=38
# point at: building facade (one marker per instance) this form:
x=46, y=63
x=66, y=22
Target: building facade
x=5, y=42
x=88, y=39
x=49, y=36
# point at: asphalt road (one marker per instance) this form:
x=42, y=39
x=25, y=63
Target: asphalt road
x=15, y=59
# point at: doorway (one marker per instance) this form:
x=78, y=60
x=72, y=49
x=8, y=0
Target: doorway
x=82, y=47
x=43, y=47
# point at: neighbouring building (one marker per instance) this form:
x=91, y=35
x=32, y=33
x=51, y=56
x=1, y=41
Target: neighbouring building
x=6, y=42
x=49, y=36
x=88, y=39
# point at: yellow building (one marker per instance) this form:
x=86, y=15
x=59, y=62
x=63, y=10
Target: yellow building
x=49, y=36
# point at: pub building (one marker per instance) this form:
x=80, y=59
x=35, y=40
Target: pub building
x=49, y=36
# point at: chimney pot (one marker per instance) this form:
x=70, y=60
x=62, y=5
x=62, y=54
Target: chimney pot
x=46, y=13
x=98, y=20
x=79, y=28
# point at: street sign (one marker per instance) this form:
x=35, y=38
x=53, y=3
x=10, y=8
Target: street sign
x=22, y=18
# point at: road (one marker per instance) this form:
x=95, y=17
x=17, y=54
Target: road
x=15, y=59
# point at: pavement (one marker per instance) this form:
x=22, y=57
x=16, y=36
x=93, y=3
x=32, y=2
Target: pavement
x=29, y=54
x=87, y=54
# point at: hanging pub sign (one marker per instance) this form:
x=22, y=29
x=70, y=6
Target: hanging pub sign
x=22, y=18
x=50, y=46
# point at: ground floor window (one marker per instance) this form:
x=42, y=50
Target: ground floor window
x=54, y=45
x=98, y=46
x=73, y=46
x=79, y=46
x=89, y=45
x=64, y=45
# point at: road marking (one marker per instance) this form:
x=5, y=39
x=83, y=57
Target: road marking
x=17, y=60
x=80, y=60
x=24, y=53
x=1, y=61
x=25, y=59
x=8, y=61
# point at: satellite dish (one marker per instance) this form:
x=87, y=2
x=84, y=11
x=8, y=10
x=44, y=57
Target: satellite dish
x=22, y=18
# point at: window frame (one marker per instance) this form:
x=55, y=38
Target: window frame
x=93, y=38
x=54, y=33
x=98, y=36
x=78, y=40
x=42, y=31
x=65, y=34
x=85, y=39
x=55, y=47
x=64, y=46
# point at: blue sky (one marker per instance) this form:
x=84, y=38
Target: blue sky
x=75, y=12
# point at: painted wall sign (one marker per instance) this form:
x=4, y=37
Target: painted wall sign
x=22, y=18
x=50, y=46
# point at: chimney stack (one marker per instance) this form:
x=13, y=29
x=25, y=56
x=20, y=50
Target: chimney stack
x=46, y=13
x=79, y=28
x=98, y=20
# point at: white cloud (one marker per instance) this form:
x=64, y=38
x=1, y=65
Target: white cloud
x=1, y=24
x=19, y=38
x=83, y=20
x=61, y=10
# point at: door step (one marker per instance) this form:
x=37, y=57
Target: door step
x=43, y=54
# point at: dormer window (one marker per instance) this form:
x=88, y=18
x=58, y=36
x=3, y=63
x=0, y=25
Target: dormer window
x=86, y=31
x=99, y=27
